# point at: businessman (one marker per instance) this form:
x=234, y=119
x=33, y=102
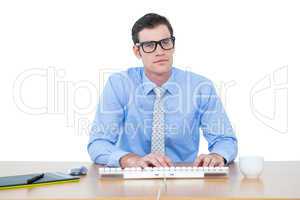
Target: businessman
x=152, y=115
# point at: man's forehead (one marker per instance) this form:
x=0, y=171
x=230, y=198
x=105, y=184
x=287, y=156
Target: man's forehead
x=154, y=34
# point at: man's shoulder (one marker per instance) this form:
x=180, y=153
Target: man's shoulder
x=187, y=74
x=129, y=74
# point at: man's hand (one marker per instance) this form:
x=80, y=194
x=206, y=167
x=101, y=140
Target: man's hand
x=150, y=160
x=209, y=160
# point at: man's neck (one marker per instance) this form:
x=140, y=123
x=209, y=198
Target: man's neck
x=158, y=79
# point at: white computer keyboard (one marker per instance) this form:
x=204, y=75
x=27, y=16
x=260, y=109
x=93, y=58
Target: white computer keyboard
x=163, y=172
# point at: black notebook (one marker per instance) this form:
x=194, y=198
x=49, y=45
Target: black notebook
x=20, y=181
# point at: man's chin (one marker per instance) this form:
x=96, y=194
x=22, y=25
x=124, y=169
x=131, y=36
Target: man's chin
x=162, y=69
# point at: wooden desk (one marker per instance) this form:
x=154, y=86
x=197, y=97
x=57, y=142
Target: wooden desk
x=280, y=180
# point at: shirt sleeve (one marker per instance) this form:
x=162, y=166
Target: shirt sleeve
x=216, y=126
x=107, y=126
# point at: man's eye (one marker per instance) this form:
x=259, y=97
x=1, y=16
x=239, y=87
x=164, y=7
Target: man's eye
x=148, y=45
x=166, y=41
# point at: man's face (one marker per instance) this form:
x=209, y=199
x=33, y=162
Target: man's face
x=161, y=60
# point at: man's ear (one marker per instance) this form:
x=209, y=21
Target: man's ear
x=136, y=51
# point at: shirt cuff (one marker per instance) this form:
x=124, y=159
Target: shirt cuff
x=227, y=149
x=114, y=158
x=225, y=157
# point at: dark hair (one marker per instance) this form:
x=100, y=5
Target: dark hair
x=150, y=20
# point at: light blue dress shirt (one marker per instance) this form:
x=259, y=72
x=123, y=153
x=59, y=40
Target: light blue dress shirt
x=123, y=121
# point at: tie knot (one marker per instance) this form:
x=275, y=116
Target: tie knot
x=159, y=91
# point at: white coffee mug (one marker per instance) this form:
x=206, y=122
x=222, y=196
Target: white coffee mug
x=251, y=166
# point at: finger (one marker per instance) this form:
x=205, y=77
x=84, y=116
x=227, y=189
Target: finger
x=148, y=159
x=153, y=161
x=199, y=160
x=206, y=161
x=169, y=161
x=142, y=164
x=164, y=161
x=220, y=164
x=213, y=162
x=160, y=158
x=196, y=162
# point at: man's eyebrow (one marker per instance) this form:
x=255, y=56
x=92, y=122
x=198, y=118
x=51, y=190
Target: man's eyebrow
x=148, y=41
x=155, y=40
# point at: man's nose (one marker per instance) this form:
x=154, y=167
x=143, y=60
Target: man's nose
x=159, y=50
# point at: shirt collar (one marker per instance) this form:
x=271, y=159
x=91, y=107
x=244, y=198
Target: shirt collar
x=171, y=85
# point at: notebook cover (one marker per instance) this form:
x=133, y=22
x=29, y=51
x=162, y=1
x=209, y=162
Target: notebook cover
x=12, y=182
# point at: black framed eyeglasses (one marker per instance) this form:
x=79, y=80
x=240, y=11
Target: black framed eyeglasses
x=150, y=46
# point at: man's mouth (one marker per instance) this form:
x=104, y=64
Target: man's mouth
x=160, y=61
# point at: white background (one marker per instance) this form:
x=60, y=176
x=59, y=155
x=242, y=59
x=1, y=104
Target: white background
x=54, y=55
